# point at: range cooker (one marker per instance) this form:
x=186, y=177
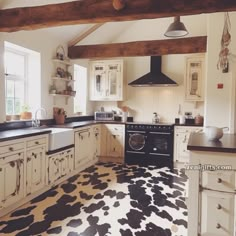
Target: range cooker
x=149, y=144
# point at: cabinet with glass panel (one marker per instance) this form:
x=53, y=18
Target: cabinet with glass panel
x=106, y=80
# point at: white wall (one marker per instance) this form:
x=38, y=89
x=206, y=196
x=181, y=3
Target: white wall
x=46, y=45
x=2, y=84
x=220, y=103
x=144, y=101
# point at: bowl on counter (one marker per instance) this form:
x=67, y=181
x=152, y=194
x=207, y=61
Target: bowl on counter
x=214, y=133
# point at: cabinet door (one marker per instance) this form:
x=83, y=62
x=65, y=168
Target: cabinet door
x=83, y=152
x=11, y=179
x=98, y=87
x=182, y=154
x=96, y=141
x=194, y=79
x=217, y=213
x=67, y=161
x=54, y=168
x=35, y=169
x=115, y=146
x=113, y=88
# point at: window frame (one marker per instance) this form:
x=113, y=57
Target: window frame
x=17, y=78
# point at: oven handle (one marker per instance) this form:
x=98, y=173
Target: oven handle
x=135, y=152
x=129, y=131
x=159, y=133
x=159, y=154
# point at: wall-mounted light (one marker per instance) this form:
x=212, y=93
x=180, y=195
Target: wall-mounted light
x=176, y=29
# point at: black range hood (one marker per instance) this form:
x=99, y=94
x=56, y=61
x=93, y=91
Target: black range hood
x=155, y=77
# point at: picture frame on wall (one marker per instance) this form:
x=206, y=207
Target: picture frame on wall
x=194, y=78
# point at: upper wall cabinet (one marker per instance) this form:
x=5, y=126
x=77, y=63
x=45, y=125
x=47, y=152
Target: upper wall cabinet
x=195, y=78
x=106, y=78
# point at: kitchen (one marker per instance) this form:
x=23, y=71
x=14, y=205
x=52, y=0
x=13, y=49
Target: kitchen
x=145, y=101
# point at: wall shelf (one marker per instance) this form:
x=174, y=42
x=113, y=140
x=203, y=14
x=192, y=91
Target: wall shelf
x=60, y=95
x=62, y=79
x=64, y=62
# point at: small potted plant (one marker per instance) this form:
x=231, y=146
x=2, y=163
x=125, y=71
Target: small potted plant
x=25, y=114
x=59, y=115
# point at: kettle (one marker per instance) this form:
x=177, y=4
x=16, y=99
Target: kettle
x=214, y=133
x=156, y=118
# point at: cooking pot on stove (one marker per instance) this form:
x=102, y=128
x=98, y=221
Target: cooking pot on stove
x=214, y=133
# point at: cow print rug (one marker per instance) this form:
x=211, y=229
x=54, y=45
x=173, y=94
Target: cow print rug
x=107, y=199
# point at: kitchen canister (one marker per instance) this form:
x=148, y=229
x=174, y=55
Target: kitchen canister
x=182, y=119
x=124, y=116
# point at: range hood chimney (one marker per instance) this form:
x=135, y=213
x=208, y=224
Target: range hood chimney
x=155, y=77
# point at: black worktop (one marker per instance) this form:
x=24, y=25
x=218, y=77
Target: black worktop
x=21, y=133
x=200, y=142
x=27, y=132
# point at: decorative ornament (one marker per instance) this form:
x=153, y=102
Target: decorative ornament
x=223, y=62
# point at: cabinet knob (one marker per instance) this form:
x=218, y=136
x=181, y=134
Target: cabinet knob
x=218, y=226
x=219, y=207
x=37, y=142
x=219, y=180
x=11, y=149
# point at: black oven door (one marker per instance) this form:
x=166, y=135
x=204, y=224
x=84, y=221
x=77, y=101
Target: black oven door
x=160, y=144
x=136, y=141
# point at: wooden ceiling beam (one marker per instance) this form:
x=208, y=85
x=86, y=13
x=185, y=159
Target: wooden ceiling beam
x=84, y=34
x=140, y=48
x=101, y=11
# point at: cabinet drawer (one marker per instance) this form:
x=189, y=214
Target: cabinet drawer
x=219, y=180
x=36, y=142
x=217, y=213
x=11, y=148
x=188, y=129
x=115, y=128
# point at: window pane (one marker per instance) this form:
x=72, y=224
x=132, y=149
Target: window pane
x=18, y=105
x=19, y=90
x=9, y=106
x=10, y=88
x=14, y=64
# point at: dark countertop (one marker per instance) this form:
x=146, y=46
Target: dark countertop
x=199, y=142
x=27, y=132
x=189, y=125
x=21, y=133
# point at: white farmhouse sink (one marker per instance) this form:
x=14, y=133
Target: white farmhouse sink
x=60, y=137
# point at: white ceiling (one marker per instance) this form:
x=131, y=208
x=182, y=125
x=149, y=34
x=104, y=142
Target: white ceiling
x=109, y=32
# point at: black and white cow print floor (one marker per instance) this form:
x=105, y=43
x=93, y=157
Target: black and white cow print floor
x=107, y=199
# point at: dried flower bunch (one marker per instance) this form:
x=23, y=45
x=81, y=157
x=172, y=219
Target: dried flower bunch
x=223, y=61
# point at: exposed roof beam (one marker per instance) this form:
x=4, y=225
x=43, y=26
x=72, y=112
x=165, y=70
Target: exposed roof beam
x=101, y=11
x=84, y=34
x=141, y=48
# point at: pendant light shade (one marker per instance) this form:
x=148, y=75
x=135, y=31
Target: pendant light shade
x=176, y=29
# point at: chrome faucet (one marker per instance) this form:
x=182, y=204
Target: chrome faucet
x=36, y=121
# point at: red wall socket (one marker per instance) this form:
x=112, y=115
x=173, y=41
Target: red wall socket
x=220, y=86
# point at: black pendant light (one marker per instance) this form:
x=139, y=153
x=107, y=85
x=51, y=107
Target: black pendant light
x=176, y=29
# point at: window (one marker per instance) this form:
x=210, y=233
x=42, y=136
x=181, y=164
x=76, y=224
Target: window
x=80, y=101
x=22, y=79
x=15, y=80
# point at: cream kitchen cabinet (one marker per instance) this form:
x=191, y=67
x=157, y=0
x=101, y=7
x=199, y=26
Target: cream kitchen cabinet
x=113, y=147
x=35, y=169
x=35, y=164
x=106, y=80
x=211, y=203
x=96, y=141
x=195, y=78
x=83, y=146
x=181, y=137
x=11, y=177
x=60, y=164
x=22, y=169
